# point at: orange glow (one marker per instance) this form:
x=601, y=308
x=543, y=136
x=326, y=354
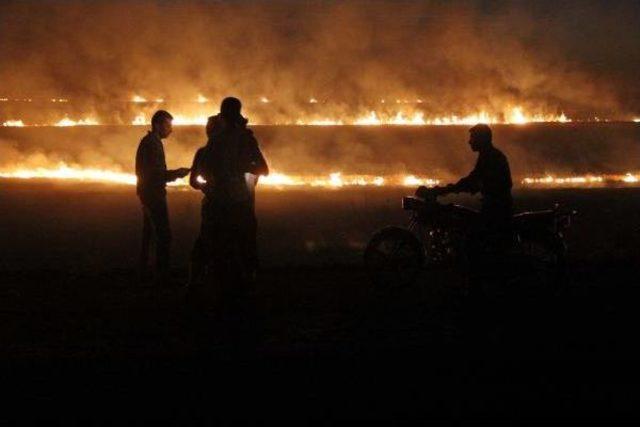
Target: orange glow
x=515, y=115
x=64, y=122
x=333, y=180
x=13, y=123
x=64, y=172
x=405, y=115
x=82, y=122
x=178, y=120
x=140, y=120
x=581, y=180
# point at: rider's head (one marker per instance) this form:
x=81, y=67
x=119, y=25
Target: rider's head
x=480, y=137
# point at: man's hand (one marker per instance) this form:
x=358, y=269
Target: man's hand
x=423, y=192
x=182, y=172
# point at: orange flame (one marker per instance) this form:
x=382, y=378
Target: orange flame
x=334, y=180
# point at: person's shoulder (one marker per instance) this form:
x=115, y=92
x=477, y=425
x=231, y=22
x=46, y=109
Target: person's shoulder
x=245, y=131
x=498, y=153
x=147, y=140
x=199, y=156
x=201, y=151
x=248, y=136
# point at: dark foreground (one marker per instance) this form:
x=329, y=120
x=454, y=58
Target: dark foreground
x=81, y=337
x=324, y=347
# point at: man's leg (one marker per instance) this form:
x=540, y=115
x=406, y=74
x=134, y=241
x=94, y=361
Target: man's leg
x=160, y=218
x=247, y=235
x=143, y=265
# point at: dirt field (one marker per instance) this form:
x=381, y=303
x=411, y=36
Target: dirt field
x=81, y=334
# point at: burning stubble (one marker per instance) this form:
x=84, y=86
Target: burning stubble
x=318, y=62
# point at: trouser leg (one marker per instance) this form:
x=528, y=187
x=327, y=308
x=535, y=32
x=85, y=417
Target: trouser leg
x=146, y=240
x=246, y=230
x=196, y=262
x=159, y=216
x=163, y=231
x=252, y=242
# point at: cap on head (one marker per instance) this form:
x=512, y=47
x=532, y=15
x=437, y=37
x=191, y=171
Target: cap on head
x=230, y=109
x=481, y=133
x=159, y=116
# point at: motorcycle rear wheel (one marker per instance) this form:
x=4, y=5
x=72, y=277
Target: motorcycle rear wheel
x=546, y=256
x=393, y=258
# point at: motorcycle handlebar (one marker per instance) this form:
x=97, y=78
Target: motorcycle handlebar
x=430, y=193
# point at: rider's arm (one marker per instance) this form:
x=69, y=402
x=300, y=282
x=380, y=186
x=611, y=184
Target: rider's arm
x=468, y=184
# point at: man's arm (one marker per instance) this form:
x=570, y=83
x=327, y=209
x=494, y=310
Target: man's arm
x=195, y=172
x=172, y=175
x=149, y=164
x=154, y=168
x=469, y=184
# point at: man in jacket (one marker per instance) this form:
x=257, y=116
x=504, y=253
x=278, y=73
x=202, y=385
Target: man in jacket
x=153, y=175
x=229, y=226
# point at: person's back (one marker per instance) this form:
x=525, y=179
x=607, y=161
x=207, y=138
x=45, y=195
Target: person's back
x=150, y=168
x=494, y=181
x=491, y=177
x=228, y=218
x=225, y=163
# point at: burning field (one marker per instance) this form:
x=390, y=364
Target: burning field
x=542, y=155
x=385, y=106
x=332, y=185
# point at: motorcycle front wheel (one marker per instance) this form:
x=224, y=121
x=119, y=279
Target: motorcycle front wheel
x=393, y=258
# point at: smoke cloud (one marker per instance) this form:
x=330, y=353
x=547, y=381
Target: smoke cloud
x=580, y=57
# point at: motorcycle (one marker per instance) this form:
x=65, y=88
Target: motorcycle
x=441, y=235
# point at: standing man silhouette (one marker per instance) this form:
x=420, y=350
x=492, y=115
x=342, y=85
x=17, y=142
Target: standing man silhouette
x=229, y=224
x=152, y=173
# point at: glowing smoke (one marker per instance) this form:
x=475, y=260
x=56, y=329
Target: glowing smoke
x=430, y=57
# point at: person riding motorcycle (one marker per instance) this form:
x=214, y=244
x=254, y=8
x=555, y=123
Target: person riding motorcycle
x=491, y=177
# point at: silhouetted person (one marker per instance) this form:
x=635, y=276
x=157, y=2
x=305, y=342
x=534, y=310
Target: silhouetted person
x=152, y=173
x=491, y=177
x=202, y=248
x=227, y=238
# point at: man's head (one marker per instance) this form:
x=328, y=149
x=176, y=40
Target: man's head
x=215, y=125
x=161, y=123
x=480, y=137
x=230, y=110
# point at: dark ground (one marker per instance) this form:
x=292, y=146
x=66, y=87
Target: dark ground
x=94, y=342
